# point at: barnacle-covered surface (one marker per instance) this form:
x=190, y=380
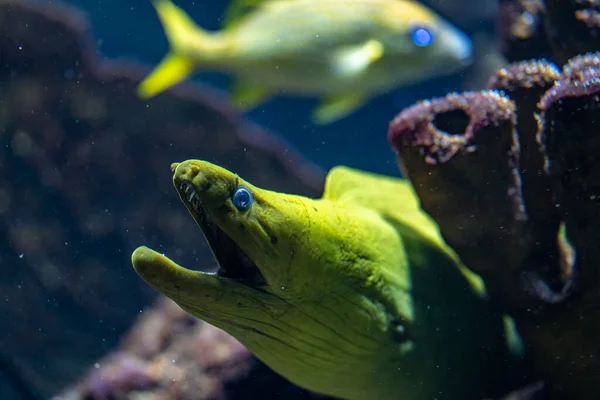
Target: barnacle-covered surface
x=525, y=82
x=84, y=179
x=506, y=174
x=568, y=133
x=442, y=145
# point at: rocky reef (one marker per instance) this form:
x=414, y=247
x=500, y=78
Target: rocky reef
x=84, y=179
x=169, y=354
x=511, y=175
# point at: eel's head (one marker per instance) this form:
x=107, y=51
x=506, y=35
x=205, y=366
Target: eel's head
x=300, y=281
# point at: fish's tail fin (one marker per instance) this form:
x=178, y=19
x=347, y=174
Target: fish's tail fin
x=188, y=43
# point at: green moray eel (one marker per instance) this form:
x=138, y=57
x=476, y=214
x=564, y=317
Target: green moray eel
x=354, y=295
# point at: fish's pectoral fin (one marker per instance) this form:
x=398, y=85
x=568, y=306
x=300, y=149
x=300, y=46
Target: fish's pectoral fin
x=337, y=107
x=247, y=95
x=514, y=342
x=354, y=60
x=171, y=70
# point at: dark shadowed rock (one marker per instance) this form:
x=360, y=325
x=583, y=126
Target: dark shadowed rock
x=505, y=176
x=520, y=27
x=556, y=29
x=569, y=135
x=525, y=82
x=442, y=145
x=171, y=355
x=84, y=179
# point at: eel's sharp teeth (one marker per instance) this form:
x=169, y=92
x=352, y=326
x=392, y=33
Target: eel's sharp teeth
x=186, y=188
x=195, y=201
x=190, y=194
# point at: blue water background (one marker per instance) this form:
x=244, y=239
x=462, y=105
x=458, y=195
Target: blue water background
x=130, y=29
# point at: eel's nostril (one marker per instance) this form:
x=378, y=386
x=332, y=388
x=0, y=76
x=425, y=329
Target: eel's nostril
x=185, y=171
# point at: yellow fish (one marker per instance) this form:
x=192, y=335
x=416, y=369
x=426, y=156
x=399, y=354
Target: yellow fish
x=344, y=51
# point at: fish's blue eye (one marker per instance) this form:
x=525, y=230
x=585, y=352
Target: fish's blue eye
x=422, y=37
x=242, y=198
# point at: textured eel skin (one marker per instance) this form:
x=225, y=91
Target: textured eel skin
x=353, y=295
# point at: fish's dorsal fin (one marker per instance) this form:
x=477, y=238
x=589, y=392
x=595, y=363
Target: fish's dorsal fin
x=238, y=9
x=394, y=199
x=383, y=193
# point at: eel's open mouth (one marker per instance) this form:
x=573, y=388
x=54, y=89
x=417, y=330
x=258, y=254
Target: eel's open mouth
x=233, y=262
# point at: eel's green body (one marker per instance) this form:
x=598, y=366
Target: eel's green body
x=353, y=295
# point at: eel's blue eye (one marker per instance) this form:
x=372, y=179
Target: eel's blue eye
x=242, y=198
x=422, y=37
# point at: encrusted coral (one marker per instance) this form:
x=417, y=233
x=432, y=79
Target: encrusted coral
x=512, y=176
x=452, y=147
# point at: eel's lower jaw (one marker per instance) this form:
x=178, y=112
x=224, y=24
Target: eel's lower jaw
x=233, y=263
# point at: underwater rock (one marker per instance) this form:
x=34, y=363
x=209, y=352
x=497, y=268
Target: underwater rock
x=572, y=27
x=581, y=69
x=169, y=354
x=85, y=178
x=442, y=145
x=502, y=175
x=568, y=132
x=521, y=34
x=525, y=83
x=556, y=29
